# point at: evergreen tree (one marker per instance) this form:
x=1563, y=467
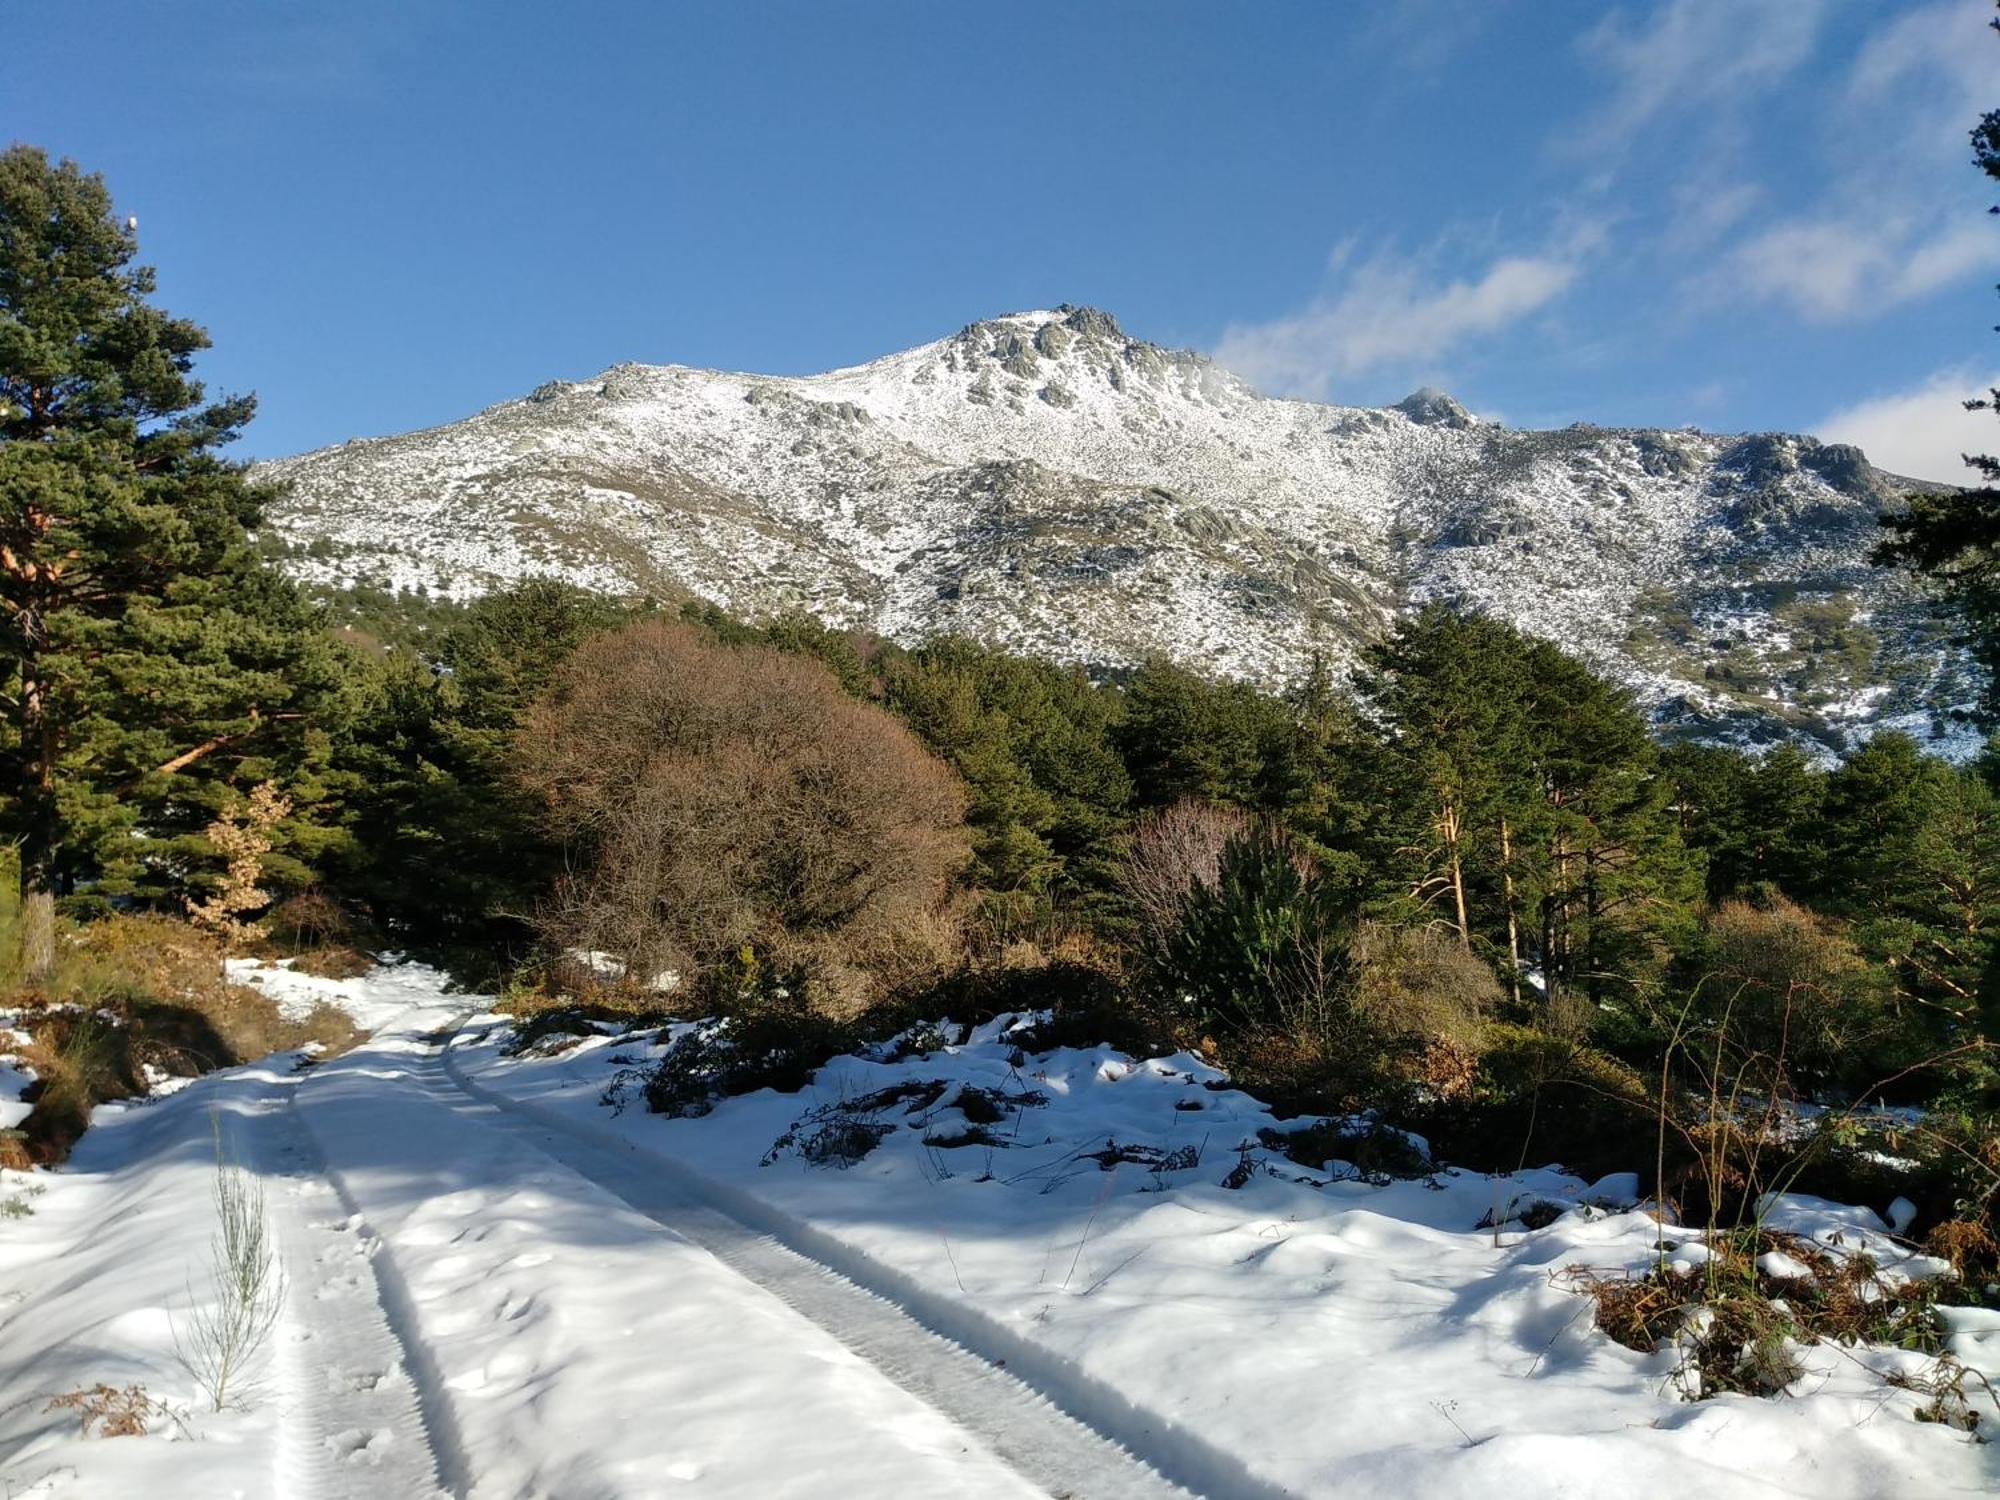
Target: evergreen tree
x=1604, y=868
x=1708, y=786
x=1324, y=773
x=1922, y=885
x=1531, y=814
x=1266, y=944
x=1449, y=693
x=448, y=856
x=1779, y=835
x=152, y=664
x=1033, y=742
x=1184, y=735
x=1875, y=802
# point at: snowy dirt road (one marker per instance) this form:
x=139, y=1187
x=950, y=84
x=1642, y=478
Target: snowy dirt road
x=500, y=1289
x=481, y=1305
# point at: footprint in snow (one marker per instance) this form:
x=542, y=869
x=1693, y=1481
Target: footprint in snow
x=359, y=1444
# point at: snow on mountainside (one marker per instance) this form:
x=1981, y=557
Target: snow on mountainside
x=1046, y=482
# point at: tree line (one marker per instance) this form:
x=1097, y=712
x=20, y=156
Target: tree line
x=1474, y=824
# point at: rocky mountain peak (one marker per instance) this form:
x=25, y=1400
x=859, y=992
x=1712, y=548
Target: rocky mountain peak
x=1431, y=407
x=1046, y=481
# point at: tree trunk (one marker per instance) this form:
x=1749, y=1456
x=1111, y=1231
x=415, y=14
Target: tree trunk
x=40, y=828
x=38, y=938
x=1513, y=914
x=1449, y=826
x=1593, y=981
x=1555, y=954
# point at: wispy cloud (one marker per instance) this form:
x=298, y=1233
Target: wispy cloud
x=1898, y=217
x=1835, y=268
x=1388, y=311
x=1691, y=57
x=1923, y=432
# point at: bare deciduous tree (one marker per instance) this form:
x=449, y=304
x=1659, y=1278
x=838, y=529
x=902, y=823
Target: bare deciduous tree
x=719, y=796
x=1172, y=851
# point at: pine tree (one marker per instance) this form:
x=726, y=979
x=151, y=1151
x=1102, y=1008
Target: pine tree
x=1033, y=742
x=1449, y=693
x=150, y=660
x=446, y=854
x=1185, y=735
x=1610, y=880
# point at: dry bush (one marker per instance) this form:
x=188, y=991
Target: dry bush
x=14, y=1153
x=242, y=835
x=317, y=935
x=139, y=956
x=719, y=798
x=1789, y=994
x=1735, y=1325
x=1418, y=984
x=79, y=1059
x=113, y=1412
x=916, y=957
x=1172, y=851
x=309, y=920
x=1966, y=1243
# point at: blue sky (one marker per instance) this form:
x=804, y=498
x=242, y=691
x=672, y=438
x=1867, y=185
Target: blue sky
x=1739, y=214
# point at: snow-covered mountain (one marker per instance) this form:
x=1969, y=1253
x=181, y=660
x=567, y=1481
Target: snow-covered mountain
x=1045, y=481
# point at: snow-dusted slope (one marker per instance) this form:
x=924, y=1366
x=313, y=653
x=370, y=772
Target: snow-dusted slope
x=1044, y=481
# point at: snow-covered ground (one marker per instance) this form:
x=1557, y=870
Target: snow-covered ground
x=498, y=1286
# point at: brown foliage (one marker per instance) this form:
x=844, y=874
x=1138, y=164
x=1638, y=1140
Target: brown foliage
x=139, y=991
x=723, y=797
x=1751, y=1318
x=1790, y=994
x=242, y=835
x=1172, y=851
x=113, y=1412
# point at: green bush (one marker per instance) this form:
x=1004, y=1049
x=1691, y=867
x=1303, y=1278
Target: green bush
x=1262, y=946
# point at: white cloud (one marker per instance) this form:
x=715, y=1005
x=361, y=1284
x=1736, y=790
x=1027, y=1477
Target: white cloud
x=1389, y=312
x=1901, y=218
x=1922, y=433
x=1835, y=268
x=1926, y=75
x=1692, y=56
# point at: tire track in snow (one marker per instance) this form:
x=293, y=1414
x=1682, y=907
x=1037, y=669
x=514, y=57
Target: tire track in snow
x=1074, y=1436
x=368, y=1417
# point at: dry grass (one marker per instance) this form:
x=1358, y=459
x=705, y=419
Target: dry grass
x=1736, y=1323
x=134, y=993
x=111, y=1411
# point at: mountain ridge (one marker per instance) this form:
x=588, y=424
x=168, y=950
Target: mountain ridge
x=1047, y=482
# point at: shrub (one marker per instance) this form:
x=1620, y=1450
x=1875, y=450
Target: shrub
x=769, y=1045
x=1169, y=854
x=220, y=1339
x=1737, y=1318
x=1535, y=1097
x=1419, y=985
x=112, y=1411
x=318, y=935
x=724, y=797
x=135, y=992
x=1785, y=999
x=1264, y=945
x=243, y=835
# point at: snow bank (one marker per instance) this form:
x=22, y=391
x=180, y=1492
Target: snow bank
x=90, y=1285
x=1340, y=1338
x=371, y=1001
